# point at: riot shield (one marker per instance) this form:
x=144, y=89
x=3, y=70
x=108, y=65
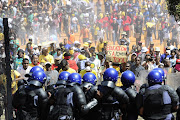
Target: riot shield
x=141, y=79
x=173, y=80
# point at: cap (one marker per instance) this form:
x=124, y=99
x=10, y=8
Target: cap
x=157, y=49
x=114, y=18
x=39, y=44
x=123, y=14
x=86, y=44
x=48, y=63
x=35, y=46
x=82, y=57
x=77, y=42
x=27, y=57
x=89, y=41
x=151, y=43
x=134, y=54
x=105, y=42
x=123, y=33
x=52, y=42
x=144, y=49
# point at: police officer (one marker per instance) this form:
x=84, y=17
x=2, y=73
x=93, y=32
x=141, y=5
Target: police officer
x=162, y=74
x=55, y=98
x=161, y=71
x=31, y=102
x=89, y=80
x=36, y=68
x=111, y=99
x=33, y=69
x=71, y=102
x=62, y=79
x=157, y=102
x=178, y=112
x=128, y=79
x=61, y=83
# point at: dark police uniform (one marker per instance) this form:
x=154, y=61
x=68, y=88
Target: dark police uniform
x=158, y=102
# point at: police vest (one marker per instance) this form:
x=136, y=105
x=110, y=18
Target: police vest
x=154, y=107
x=109, y=109
x=64, y=104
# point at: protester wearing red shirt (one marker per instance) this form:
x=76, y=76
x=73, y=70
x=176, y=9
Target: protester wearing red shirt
x=106, y=25
x=72, y=63
x=56, y=63
x=126, y=23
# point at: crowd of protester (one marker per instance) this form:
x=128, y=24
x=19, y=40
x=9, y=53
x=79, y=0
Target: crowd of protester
x=76, y=59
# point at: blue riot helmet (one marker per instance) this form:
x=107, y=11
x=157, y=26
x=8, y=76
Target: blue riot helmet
x=161, y=71
x=154, y=77
x=63, y=77
x=34, y=69
x=74, y=78
x=110, y=74
x=110, y=77
x=128, y=78
x=38, y=76
x=90, y=78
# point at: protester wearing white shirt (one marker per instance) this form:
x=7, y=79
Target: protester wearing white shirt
x=59, y=54
x=74, y=22
x=101, y=33
x=36, y=50
x=25, y=68
x=95, y=63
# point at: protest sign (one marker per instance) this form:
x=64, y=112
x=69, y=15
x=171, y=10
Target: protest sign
x=116, y=53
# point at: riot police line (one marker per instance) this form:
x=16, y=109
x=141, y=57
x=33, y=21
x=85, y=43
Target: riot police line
x=76, y=98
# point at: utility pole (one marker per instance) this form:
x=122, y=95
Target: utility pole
x=8, y=71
